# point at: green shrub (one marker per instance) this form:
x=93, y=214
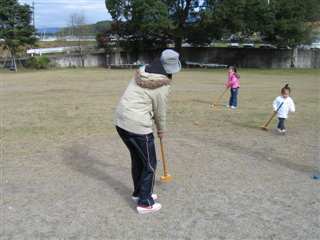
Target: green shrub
x=41, y=62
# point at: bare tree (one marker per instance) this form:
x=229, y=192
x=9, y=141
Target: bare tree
x=78, y=30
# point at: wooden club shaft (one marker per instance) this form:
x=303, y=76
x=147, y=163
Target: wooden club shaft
x=165, y=167
x=272, y=116
x=220, y=97
x=270, y=119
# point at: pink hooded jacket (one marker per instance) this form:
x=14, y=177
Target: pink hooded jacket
x=233, y=81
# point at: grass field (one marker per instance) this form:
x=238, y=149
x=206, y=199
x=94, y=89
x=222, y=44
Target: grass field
x=66, y=175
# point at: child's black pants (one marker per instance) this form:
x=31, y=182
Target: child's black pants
x=143, y=164
x=281, y=122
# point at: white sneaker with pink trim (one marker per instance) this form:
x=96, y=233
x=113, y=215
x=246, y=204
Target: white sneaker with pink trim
x=149, y=209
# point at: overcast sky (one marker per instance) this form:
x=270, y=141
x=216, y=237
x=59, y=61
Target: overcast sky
x=55, y=13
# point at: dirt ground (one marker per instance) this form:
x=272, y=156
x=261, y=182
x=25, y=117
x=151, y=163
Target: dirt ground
x=65, y=174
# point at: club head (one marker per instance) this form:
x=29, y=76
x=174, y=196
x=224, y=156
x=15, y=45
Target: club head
x=264, y=128
x=216, y=106
x=166, y=179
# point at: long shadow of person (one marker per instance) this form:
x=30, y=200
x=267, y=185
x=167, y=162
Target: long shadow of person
x=77, y=157
x=268, y=156
x=202, y=101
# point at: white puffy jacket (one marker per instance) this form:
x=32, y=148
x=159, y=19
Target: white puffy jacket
x=144, y=103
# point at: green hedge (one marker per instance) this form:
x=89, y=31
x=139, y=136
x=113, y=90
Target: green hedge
x=41, y=62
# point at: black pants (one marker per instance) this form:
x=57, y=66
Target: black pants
x=143, y=164
x=281, y=122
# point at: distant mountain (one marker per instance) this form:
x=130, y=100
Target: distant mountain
x=91, y=29
x=51, y=30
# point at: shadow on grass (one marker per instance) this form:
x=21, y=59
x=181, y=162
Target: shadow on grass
x=268, y=157
x=78, y=159
x=260, y=155
x=201, y=101
x=250, y=125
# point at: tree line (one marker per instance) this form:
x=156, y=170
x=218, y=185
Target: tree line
x=153, y=23
x=16, y=29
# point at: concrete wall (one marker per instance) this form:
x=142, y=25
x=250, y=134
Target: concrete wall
x=91, y=60
x=255, y=58
x=308, y=58
x=246, y=58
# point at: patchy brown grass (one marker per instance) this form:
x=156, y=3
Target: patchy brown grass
x=63, y=166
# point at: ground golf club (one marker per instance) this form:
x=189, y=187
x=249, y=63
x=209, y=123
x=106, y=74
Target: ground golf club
x=265, y=126
x=166, y=176
x=217, y=101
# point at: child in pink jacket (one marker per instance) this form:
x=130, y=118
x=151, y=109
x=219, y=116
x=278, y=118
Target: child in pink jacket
x=234, y=85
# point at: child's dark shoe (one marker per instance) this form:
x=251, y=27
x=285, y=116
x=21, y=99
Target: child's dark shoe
x=136, y=199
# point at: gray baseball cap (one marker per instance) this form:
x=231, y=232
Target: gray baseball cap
x=170, y=61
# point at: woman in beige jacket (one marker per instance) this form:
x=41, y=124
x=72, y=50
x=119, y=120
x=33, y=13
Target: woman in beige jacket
x=142, y=106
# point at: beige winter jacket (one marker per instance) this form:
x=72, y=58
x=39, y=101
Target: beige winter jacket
x=144, y=103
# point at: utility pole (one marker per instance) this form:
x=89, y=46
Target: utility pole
x=33, y=14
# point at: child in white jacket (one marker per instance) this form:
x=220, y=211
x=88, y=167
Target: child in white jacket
x=283, y=105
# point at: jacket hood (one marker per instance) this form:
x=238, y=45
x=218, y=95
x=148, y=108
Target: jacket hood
x=151, y=80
